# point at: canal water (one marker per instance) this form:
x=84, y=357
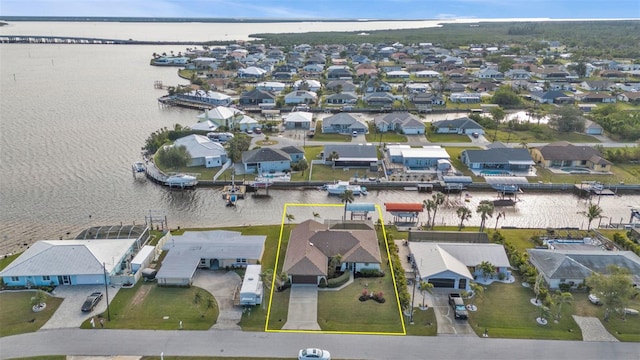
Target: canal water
x=74, y=118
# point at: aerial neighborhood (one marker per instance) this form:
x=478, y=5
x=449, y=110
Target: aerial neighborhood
x=349, y=120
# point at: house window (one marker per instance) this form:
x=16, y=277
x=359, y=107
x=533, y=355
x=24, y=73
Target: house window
x=15, y=278
x=563, y=280
x=241, y=260
x=46, y=278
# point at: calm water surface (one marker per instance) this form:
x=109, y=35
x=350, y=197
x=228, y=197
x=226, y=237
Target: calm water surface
x=74, y=117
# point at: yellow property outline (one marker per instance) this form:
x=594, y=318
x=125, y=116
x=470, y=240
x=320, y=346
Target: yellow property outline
x=393, y=278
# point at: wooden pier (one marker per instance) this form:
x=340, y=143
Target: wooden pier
x=154, y=174
x=169, y=101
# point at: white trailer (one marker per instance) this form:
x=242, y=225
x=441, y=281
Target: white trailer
x=251, y=290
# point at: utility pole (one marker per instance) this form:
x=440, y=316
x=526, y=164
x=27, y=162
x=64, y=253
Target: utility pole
x=413, y=297
x=106, y=289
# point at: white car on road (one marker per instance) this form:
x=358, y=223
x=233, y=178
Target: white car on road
x=313, y=353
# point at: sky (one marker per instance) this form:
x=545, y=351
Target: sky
x=329, y=9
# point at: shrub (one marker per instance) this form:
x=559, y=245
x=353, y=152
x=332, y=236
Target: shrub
x=366, y=273
x=564, y=287
x=501, y=276
x=323, y=283
x=338, y=281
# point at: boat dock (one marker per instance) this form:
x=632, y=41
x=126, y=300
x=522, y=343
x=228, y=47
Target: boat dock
x=180, y=181
x=239, y=191
x=169, y=100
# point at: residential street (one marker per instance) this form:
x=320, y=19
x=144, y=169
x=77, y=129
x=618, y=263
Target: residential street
x=258, y=344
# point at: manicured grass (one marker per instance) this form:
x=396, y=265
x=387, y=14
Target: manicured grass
x=619, y=174
x=506, y=311
x=623, y=329
x=342, y=311
x=424, y=323
x=5, y=261
x=16, y=315
x=387, y=137
x=444, y=138
x=146, y=305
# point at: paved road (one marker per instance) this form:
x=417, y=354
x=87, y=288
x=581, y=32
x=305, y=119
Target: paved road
x=258, y=344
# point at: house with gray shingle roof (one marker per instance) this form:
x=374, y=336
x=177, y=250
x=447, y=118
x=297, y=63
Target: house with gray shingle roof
x=266, y=160
x=403, y=122
x=563, y=154
x=498, y=157
x=462, y=125
x=574, y=266
x=312, y=244
x=343, y=123
x=551, y=97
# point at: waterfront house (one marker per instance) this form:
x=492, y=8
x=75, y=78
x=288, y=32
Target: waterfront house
x=352, y=156
x=562, y=154
x=463, y=126
x=256, y=97
x=465, y=98
x=455, y=265
x=207, y=97
x=266, y=160
x=572, y=267
x=222, y=116
x=341, y=99
x=298, y=120
x=312, y=245
x=551, y=97
x=379, y=98
x=216, y=249
x=343, y=123
x=596, y=97
x=402, y=122
x=203, y=151
x=421, y=158
x=498, y=157
x=296, y=153
x=94, y=255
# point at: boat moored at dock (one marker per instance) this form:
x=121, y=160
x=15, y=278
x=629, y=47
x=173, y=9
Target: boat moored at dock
x=341, y=186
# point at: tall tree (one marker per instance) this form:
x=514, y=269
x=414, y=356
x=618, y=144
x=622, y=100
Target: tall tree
x=567, y=118
x=347, y=198
x=593, y=212
x=487, y=269
x=174, y=156
x=428, y=205
x=560, y=299
x=485, y=209
x=498, y=115
x=613, y=289
x=425, y=287
x=438, y=199
x=464, y=214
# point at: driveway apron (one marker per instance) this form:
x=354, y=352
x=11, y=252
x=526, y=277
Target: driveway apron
x=303, y=308
x=68, y=314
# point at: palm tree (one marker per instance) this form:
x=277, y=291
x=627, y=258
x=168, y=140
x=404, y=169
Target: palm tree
x=498, y=114
x=464, y=213
x=290, y=218
x=347, y=198
x=428, y=205
x=38, y=300
x=485, y=209
x=316, y=215
x=594, y=211
x=438, y=200
x=425, y=287
x=477, y=289
x=562, y=298
x=487, y=269
x=500, y=215
x=267, y=278
x=334, y=262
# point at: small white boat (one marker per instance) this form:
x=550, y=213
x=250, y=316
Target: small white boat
x=138, y=167
x=342, y=186
x=182, y=181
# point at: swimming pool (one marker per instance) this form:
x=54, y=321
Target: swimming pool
x=576, y=170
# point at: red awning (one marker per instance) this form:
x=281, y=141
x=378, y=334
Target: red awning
x=404, y=207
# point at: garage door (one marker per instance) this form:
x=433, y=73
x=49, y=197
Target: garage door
x=304, y=279
x=443, y=283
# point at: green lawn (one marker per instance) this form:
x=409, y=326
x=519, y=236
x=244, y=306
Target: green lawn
x=506, y=311
x=424, y=323
x=455, y=152
x=151, y=307
x=320, y=136
x=546, y=135
x=619, y=174
x=328, y=173
x=16, y=315
x=5, y=261
x=444, y=138
x=623, y=329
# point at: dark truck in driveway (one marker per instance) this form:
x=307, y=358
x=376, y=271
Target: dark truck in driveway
x=459, y=310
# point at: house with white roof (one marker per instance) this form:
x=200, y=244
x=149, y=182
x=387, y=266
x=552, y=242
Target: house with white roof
x=206, y=125
x=343, y=123
x=222, y=116
x=417, y=158
x=208, y=97
x=300, y=97
x=203, y=151
x=402, y=122
x=86, y=260
x=307, y=84
x=455, y=265
x=251, y=72
x=215, y=249
x=298, y=120
x=271, y=86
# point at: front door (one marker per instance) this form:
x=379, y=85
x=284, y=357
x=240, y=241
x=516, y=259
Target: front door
x=64, y=280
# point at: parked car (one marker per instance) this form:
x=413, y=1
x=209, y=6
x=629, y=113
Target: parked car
x=314, y=353
x=354, y=133
x=475, y=135
x=594, y=299
x=249, y=131
x=459, y=310
x=257, y=131
x=91, y=301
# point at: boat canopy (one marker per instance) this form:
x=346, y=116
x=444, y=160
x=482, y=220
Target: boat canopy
x=457, y=179
x=361, y=207
x=506, y=180
x=403, y=207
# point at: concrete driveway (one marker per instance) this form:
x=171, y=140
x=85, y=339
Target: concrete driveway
x=68, y=314
x=303, y=308
x=447, y=325
x=222, y=284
